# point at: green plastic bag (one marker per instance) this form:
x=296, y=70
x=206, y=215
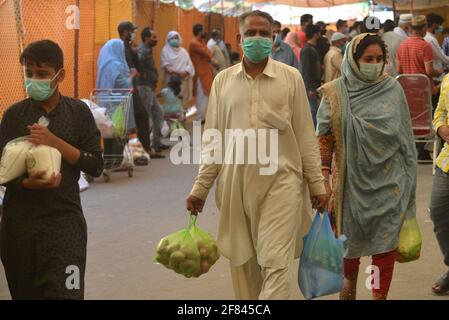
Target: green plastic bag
x=410, y=241
x=118, y=121
x=190, y=252
x=209, y=253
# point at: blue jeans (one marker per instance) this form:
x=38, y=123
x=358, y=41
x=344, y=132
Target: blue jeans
x=314, y=105
x=439, y=211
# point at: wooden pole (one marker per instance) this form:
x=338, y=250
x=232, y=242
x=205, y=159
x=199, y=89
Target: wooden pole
x=395, y=12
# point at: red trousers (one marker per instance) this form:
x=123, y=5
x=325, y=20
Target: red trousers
x=385, y=264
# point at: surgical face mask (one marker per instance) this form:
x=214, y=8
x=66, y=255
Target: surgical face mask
x=371, y=71
x=257, y=49
x=439, y=29
x=40, y=90
x=133, y=37
x=343, y=47
x=277, y=39
x=174, y=42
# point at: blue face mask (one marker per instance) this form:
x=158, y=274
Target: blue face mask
x=174, y=42
x=440, y=29
x=277, y=40
x=40, y=90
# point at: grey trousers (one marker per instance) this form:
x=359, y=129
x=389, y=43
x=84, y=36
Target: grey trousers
x=149, y=99
x=439, y=211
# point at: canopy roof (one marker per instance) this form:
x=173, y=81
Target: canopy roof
x=236, y=7
x=417, y=4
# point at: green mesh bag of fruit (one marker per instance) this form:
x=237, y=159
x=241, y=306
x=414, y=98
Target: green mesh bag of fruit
x=190, y=252
x=206, y=246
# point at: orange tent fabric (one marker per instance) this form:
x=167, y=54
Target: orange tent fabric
x=47, y=20
x=185, y=22
x=98, y=23
x=11, y=75
x=86, y=53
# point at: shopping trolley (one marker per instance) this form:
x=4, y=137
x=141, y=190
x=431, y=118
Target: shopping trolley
x=118, y=106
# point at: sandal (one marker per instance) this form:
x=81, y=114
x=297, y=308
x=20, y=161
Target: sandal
x=441, y=287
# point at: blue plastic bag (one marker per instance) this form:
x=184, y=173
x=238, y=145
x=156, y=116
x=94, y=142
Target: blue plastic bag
x=321, y=265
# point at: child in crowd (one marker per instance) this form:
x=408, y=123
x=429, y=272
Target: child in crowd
x=173, y=108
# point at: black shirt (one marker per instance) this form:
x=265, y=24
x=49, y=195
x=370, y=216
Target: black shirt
x=311, y=67
x=149, y=75
x=73, y=122
x=132, y=57
x=323, y=47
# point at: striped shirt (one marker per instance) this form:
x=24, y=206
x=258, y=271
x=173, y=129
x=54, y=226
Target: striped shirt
x=412, y=55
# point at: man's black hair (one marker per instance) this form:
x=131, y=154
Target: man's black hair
x=306, y=18
x=433, y=18
x=285, y=32
x=235, y=56
x=277, y=24
x=369, y=27
x=197, y=29
x=125, y=26
x=43, y=52
x=341, y=23
x=146, y=33
x=311, y=30
x=389, y=25
x=215, y=33
x=255, y=13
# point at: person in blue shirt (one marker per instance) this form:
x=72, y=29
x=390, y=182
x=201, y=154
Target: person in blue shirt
x=282, y=52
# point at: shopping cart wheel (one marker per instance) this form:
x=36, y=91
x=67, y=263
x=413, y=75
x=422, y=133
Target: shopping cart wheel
x=130, y=172
x=106, y=177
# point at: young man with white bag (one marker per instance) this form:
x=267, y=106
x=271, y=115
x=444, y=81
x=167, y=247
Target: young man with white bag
x=43, y=233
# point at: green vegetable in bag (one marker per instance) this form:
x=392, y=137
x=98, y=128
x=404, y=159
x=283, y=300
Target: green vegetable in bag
x=190, y=252
x=410, y=240
x=118, y=121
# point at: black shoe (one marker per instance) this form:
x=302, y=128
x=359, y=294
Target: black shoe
x=441, y=287
x=424, y=157
x=162, y=147
x=141, y=161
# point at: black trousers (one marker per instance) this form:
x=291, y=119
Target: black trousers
x=142, y=121
x=42, y=256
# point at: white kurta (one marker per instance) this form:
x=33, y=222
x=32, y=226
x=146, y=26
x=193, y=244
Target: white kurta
x=262, y=215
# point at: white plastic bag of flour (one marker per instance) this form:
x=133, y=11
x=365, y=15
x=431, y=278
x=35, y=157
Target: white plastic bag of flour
x=43, y=158
x=13, y=160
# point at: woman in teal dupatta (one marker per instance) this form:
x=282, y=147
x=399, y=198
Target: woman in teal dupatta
x=366, y=142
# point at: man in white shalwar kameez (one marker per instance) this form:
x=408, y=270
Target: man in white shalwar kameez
x=261, y=215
